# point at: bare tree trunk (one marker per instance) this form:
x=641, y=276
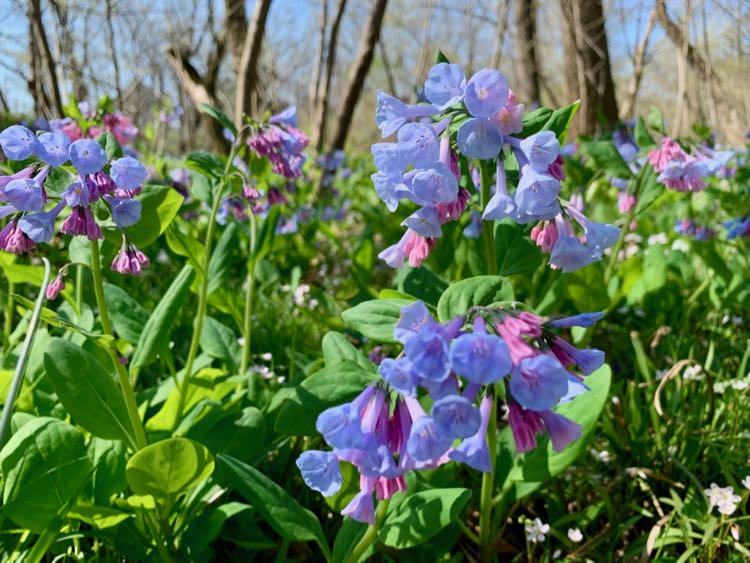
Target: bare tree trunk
x=235, y=30
x=639, y=62
x=710, y=68
x=358, y=73
x=585, y=22
x=247, y=71
x=423, y=62
x=313, y=94
x=200, y=92
x=321, y=118
x=500, y=29
x=697, y=62
x=71, y=67
x=113, y=51
x=42, y=45
x=527, y=44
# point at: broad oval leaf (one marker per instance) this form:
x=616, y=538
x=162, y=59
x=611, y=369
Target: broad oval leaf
x=334, y=384
x=44, y=467
x=128, y=316
x=219, y=341
x=336, y=348
x=516, y=252
x=155, y=336
x=476, y=291
x=87, y=390
x=376, y=319
x=277, y=507
x=169, y=467
x=420, y=516
x=160, y=204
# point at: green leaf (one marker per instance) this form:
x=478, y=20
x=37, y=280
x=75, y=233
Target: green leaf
x=420, y=516
x=277, y=507
x=347, y=537
x=110, y=145
x=647, y=188
x=218, y=266
x=186, y=245
x=160, y=204
x=440, y=57
x=535, y=121
x=604, y=156
x=516, y=252
x=44, y=466
x=643, y=138
x=219, y=116
x=87, y=390
x=477, y=291
x=219, y=341
x=560, y=120
x=100, y=517
x=206, y=527
x=422, y=284
x=376, y=319
x=266, y=236
x=205, y=163
x=544, y=463
x=167, y=468
x=155, y=336
x=128, y=316
x=586, y=288
x=655, y=120
x=334, y=384
x=57, y=181
x=336, y=348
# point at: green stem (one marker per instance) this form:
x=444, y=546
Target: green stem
x=9, y=306
x=15, y=385
x=203, y=291
x=488, y=234
x=247, y=325
x=488, y=487
x=127, y=389
x=79, y=289
x=371, y=534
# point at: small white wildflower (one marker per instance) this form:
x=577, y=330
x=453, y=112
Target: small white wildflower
x=746, y=482
x=693, y=373
x=575, y=535
x=615, y=400
x=536, y=530
x=267, y=357
x=720, y=387
x=660, y=373
x=633, y=237
x=313, y=303
x=299, y=294
x=681, y=244
x=557, y=554
x=162, y=257
x=281, y=379
x=735, y=531
x=740, y=384
x=723, y=498
x=659, y=238
x=602, y=456
x=725, y=319
x=737, y=320
x=631, y=251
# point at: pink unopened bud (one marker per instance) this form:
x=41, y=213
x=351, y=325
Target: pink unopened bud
x=54, y=288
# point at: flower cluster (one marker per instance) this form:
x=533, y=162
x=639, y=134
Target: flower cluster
x=121, y=126
x=739, y=227
x=422, y=167
x=282, y=142
x=723, y=498
x=455, y=365
x=693, y=230
x=683, y=172
x=99, y=184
